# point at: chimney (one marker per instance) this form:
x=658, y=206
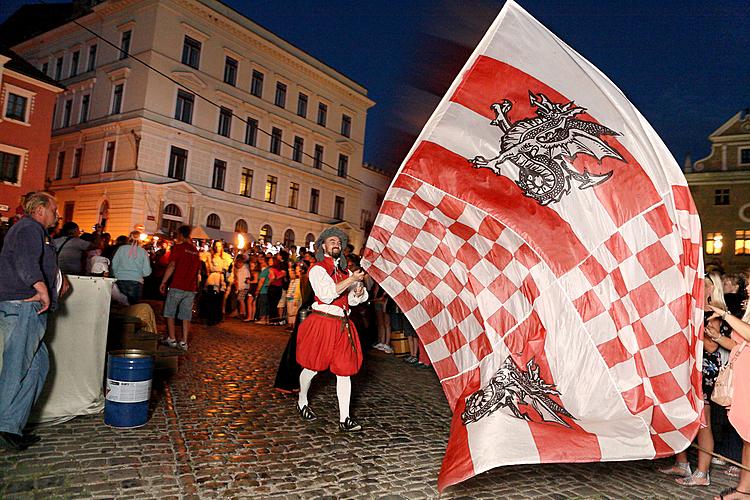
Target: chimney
x=688, y=165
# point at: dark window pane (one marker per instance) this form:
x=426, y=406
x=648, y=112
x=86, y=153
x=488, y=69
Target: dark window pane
x=74, y=63
x=280, y=99
x=256, y=84
x=16, y=109
x=225, y=122
x=302, y=105
x=314, y=199
x=85, y=100
x=177, y=163
x=191, y=52
x=338, y=208
x=117, y=99
x=322, y=114
x=125, y=44
x=184, y=108
x=299, y=144
x=230, y=71
x=109, y=157
x=251, y=132
x=67, y=112
x=343, y=169
x=92, y=58
x=275, y=141
x=220, y=172
x=318, y=157
x=9, y=165
x=76, y=170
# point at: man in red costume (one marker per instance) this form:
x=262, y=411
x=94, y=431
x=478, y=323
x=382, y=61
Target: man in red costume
x=327, y=338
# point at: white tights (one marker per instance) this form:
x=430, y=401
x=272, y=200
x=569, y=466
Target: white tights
x=343, y=391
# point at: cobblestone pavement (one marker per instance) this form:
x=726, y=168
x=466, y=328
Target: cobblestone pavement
x=218, y=429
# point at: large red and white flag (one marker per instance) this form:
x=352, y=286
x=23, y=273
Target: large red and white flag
x=543, y=242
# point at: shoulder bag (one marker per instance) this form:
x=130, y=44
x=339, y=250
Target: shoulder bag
x=724, y=385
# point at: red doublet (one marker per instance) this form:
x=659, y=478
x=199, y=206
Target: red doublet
x=330, y=342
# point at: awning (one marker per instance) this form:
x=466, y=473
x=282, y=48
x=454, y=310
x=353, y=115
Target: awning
x=208, y=233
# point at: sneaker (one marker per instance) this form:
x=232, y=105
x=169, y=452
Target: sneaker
x=349, y=425
x=411, y=360
x=387, y=349
x=379, y=346
x=169, y=343
x=182, y=345
x=306, y=413
x=423, y=366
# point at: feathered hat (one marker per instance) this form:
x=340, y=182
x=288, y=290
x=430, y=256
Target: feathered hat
x=331, y=231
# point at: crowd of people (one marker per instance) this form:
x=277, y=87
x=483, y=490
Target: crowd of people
x=724, y=431
x=261, y=283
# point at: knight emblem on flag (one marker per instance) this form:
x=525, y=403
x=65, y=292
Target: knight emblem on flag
x=543, y=243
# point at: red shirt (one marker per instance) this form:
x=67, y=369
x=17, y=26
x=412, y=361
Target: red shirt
x=187, y=264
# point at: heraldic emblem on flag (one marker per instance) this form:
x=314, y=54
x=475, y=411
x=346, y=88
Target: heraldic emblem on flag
x=544, y=244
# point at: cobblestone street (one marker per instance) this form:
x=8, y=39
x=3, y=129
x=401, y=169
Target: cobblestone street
x=219, y=429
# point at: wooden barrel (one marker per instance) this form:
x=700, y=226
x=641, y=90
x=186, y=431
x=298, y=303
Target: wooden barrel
x=399, y=343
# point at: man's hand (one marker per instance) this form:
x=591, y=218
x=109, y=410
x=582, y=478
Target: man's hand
x=41, y=296
x=358, y=275
x=163, y=288
x=65, y=288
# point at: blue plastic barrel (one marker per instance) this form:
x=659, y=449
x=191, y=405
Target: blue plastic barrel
x=128, y=390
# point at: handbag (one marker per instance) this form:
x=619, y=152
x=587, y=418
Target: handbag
x=724, y=385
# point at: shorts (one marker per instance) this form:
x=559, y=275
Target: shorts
x=179, y=304
x=324, y=342
x=242, y=294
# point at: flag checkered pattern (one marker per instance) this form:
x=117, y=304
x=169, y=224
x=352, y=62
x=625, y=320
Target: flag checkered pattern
x=465, y=281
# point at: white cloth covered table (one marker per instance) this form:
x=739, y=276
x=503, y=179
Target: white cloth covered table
x=77, y=341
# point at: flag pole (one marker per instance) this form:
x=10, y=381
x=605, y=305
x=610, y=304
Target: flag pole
x=722, y=457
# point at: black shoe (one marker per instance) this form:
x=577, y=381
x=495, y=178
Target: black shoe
x=17, y=442
x=306, y=413
x=349, y=425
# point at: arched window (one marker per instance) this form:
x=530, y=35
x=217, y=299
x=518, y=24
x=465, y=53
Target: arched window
x=266, y=233
x=213, y=221
x=172, y=210
x=310, y=238
x=288, y=238
x=240, y=226
x=171, y=219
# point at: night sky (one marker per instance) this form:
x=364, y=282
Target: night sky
x=684, y=64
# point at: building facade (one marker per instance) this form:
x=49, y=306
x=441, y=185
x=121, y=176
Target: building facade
x=27, y=101
x=720, y=185
x=229, y=128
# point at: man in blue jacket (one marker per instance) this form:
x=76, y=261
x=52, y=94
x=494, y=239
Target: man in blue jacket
x=29, y=289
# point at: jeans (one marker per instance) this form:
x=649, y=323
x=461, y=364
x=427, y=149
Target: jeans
x=25, y=362
x=133, y=290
